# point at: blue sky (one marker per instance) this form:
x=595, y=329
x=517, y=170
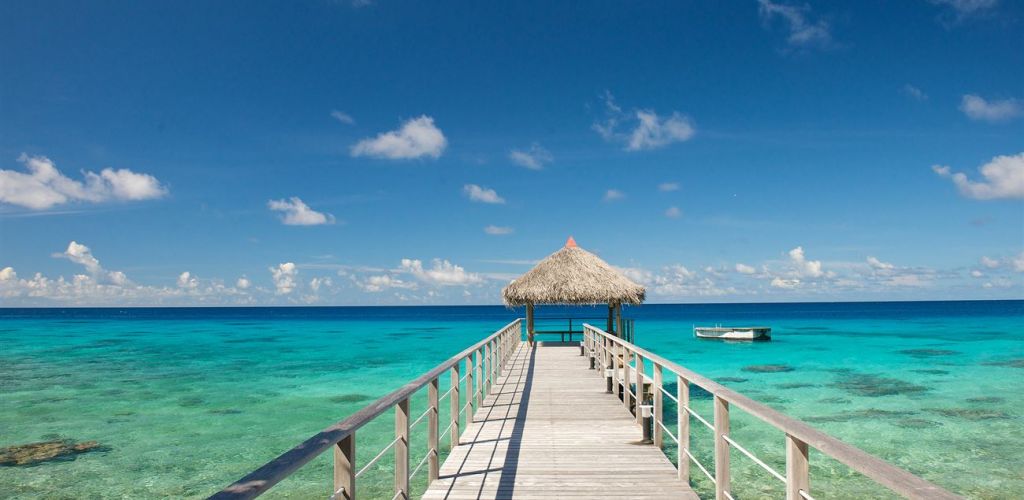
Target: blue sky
x=335, y=153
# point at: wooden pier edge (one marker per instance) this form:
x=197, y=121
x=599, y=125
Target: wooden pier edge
x=799, y=435
x=262, y=479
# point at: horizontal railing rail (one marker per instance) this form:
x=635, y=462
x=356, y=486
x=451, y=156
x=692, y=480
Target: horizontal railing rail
x=484, y=361
x=573, y=325
x=615, y=356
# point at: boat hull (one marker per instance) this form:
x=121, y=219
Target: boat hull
x=740, y=333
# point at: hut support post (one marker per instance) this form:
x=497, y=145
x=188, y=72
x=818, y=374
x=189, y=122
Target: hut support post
x=611, y=319
x=618, y=322
x=529, y=322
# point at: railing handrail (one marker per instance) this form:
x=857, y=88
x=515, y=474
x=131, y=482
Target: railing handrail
x=882, y=472
x=260, y=480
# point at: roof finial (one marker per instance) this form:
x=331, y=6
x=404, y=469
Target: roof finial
x=570, y=243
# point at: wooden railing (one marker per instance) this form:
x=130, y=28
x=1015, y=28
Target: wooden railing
x=625, y=365
x=484, y=361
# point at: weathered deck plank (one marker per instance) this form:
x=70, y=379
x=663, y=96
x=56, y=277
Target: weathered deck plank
x=548, y=430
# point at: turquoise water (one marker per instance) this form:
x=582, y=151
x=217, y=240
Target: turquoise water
x=185, y=401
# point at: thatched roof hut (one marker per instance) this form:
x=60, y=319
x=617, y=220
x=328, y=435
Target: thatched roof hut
x=573, y=276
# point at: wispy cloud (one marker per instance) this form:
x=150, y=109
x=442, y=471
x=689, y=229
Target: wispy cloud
x=45, y=186
x=642, y=129
x=343, y=117
x=914, y=93
x=482, y=194
x=533, y=158
x=959, y=11
x=297, y=213
x=613, y=195
x=803, y=32
x=416, y=138
x=977, y=108
x=498, y=230
x=1003, y=177
x=673, y=213
x=666, y=187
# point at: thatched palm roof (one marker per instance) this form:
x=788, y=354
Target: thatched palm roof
x=572, y=275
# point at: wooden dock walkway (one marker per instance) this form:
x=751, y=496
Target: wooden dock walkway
x=548, y=429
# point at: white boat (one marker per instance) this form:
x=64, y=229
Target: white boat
x=733, y=333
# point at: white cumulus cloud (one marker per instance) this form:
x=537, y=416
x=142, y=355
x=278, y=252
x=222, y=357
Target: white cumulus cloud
x=533, y=158
x=243, y=283
x=297, y=213
x=786, y=284
x=416, y=138
x=745, y=269
x=977, y=108
x=1003, y=177
x=642, y=129
x=44, y=186
x=284, y=276
x=876, y=264
x=441, y=273
x=804, y=268
x=482, y=194
x=187, y=281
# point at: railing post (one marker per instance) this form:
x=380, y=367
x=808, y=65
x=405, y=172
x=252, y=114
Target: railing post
x=469, y=390
x=626, y=358
x=797, y=468
x=494, y=362
x=478, y=390
x=433, y=422
x=683, y=428
x=722, y=482
x=345, y=468
x=485, y=365
x=402, y=449
x=639, y=400
x=454, y=405
x=659, y=438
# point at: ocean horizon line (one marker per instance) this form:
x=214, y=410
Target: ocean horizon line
x=371, y=306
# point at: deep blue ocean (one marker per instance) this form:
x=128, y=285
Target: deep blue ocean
x=184, y=401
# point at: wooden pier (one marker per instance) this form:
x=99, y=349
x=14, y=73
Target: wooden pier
x=563, y=421
x=548, y=431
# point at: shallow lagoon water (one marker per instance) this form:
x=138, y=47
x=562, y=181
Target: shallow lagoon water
x=185, y=401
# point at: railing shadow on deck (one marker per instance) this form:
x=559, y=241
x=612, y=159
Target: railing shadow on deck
x=522, y=385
